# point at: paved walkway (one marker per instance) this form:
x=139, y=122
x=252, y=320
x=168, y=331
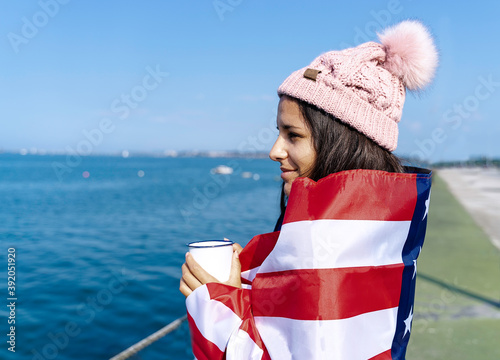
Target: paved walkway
x=478, y=190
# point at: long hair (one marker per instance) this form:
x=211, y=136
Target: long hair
x=340, y=147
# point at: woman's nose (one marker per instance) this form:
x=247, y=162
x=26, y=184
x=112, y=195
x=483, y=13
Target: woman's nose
x=278, y=151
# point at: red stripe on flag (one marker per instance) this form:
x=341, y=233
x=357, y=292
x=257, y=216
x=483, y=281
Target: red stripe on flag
x=250, y=328
x=203, y=349
x=234, y=298
x=266, y=355
x=245, y=281
x=257, y=249
x=326, y=294
x=355, y=195
x=386, y=355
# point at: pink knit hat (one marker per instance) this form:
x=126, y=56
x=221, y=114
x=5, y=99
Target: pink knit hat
x=365, y=86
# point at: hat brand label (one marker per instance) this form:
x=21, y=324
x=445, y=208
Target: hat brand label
x=311, y=73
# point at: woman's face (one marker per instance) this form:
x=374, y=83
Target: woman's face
x=294, y=148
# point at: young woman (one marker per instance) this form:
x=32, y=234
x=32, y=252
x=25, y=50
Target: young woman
x=336, y=279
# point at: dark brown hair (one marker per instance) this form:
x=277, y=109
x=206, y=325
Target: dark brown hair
x=340, y=147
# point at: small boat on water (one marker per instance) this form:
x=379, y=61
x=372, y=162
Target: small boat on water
x=222, y=169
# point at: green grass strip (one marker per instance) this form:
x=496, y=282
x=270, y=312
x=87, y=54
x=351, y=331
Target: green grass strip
x=457, y=304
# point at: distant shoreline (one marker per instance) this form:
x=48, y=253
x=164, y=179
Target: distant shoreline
x=483, y=162
x=126, y=154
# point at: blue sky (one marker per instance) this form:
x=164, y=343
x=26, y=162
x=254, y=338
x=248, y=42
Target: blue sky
x=105, y=76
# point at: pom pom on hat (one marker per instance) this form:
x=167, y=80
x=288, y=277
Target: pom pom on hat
x=410, y=53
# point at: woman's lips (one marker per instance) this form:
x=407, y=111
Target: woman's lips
x=287, y=174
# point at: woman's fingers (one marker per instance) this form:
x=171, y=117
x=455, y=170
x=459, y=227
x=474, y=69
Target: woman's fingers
x=189, y=279
x=185, y=290
x=235, y=275
x=197, y=271
x=237, y=247
x=194, y=276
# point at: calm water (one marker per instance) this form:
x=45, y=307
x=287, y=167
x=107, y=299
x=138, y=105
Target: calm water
x=98, y=257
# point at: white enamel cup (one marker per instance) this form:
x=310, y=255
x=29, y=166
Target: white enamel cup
x=214, y=256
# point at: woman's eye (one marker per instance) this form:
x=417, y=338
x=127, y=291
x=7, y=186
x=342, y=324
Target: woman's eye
x=292, y=135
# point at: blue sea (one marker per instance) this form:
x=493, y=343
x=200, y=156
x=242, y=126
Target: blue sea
x=99, y=244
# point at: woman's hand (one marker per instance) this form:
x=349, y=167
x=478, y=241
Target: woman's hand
x=194, y=276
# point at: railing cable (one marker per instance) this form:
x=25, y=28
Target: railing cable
x=125, y=354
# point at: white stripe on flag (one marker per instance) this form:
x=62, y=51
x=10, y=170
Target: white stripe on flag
x=214, y=320
x=358, y=338
x=250, y=274
x=327, y=244
x=241, y=346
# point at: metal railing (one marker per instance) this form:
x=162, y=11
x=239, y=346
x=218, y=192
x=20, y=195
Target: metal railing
x=125, y=354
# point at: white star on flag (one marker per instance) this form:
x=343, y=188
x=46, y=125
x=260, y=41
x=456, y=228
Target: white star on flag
x=408, y=322
x=415, y=264
x=427, y=205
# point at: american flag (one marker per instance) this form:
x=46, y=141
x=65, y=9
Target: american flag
x=337, y=282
